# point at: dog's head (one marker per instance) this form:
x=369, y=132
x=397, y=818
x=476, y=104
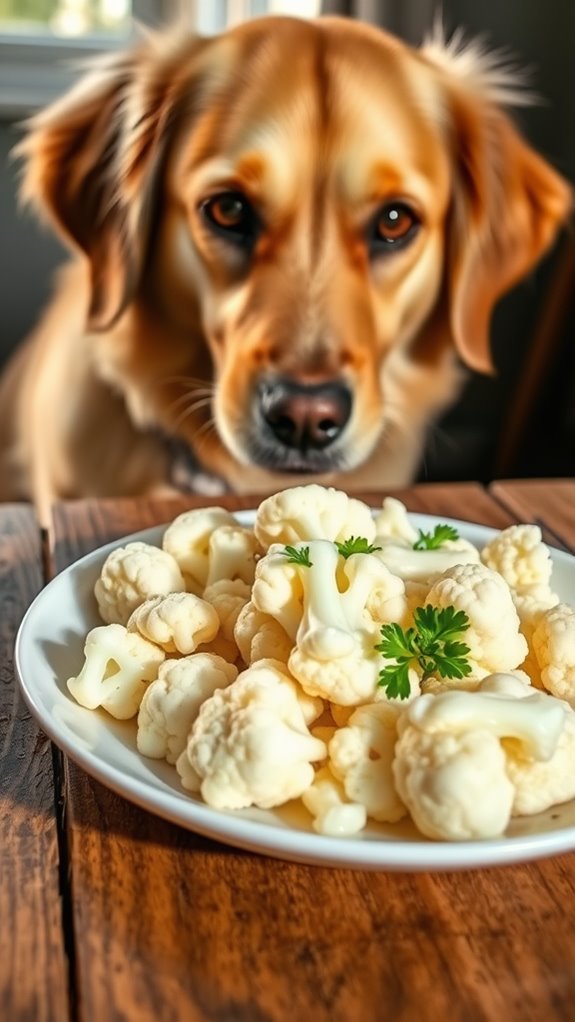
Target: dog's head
x=313, y=217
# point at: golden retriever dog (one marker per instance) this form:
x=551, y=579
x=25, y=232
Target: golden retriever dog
x=290, y=239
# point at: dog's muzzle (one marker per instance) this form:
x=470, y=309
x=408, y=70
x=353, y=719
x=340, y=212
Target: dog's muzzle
x=299, y=424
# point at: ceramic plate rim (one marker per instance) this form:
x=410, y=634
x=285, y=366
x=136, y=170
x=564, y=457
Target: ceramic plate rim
x=235, y=829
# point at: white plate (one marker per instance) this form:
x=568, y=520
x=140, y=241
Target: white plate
x=49, y=650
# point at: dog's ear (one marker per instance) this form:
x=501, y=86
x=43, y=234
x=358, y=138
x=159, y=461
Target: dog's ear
x=90, y=161
x=508, y=202
x=508, y=205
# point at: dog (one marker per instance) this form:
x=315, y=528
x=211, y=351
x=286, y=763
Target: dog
x=289, y=242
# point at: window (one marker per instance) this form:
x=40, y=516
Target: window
x=42, y=40
x=65, y=18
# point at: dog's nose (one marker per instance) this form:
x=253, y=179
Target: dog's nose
x=305, y=416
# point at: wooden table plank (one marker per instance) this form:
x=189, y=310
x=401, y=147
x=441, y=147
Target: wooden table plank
x=80, y=525
x=33, y=965
x=550, y=503
x=173, y=925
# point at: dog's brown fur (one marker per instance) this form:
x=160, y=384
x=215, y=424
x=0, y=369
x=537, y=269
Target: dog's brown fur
x=160, y=328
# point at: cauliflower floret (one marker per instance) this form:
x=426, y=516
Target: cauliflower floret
x=531, y=604
x=335, y=631
x=425, y=565
x=373, y=584
x=278, y=590
x=493, y=635
x=541, y=784
x=361, y=756
x=450, y=767
x=233, y=552
x=117, y=669
x=454, y=785
x=259, y=636
x=434, y=686
x=311, y=707
x=250, y=744
x=335, y=655
x=172, y=702
x=519, y=554
x=326, y=801
x=524, y=561
x=312, y=512
x=209, y=546
x=178, y=623
x=187, y=539
x=392, y=522
x=132, y=574
x=554, y=648
x=228, y=598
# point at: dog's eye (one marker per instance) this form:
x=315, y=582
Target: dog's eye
x=394, y=225
x=231, y=214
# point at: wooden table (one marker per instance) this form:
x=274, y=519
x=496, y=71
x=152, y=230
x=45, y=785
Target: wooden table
x=109, y=913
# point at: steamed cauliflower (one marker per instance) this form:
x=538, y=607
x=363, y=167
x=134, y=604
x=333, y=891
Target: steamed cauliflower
x=172, y=702
x=520, y=556
x=311, y=512
x=455, y=785
x=397, y=538
x=493, y=635
x=540, y=784
x=422, y=566
x=118, y=667
x=554, y=648
x=307, y=718
x=335, y=656
x=361, y=756
x=228, y=598
x=250, y=744
x=333, y=813
x=451, y=769
x=132, y=574
x=259, y=636
x=209, y=545
x=278, y=590
x=392, y=522
x=178, y=623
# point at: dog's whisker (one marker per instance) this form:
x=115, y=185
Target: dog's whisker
x=191, y=381
x=193, y=384
x=194, y=407
x=202, y=434
x=183, y=398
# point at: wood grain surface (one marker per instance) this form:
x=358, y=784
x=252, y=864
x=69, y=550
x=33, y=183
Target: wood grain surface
x=33, y=965
x=549, y=503
x=172, y=926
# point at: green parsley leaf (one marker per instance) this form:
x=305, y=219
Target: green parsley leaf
x=395, y=680
x=298, y=556
x=434, y=643
x=441, y=623
x=434, y=540
x=355, y=545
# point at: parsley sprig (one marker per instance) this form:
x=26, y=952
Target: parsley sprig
x=355, y=545
x=297, y=555
x=434, y=643
x=434, y=540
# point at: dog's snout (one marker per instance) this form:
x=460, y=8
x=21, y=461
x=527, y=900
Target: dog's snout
x=305, y=416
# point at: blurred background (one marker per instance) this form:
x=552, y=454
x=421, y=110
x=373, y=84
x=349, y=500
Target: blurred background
x=520, y=423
